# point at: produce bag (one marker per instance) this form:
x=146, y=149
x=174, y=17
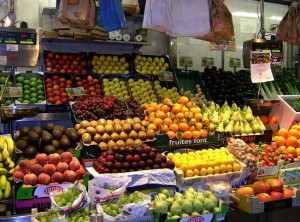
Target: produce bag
x=112, y=14
x=81, y=200
x=37, y=217
x=105, y=187
x=78, y=13
x=136, y=210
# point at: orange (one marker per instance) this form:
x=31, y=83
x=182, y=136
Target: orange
x=293, y=132
x=292, y=141
x=298, y=151
x=264, y=119
x=290, y=149
x=282, y=132
x=199, y=126
x=176, y=121
x=171, y=135
x=296, y=127
x=279, y=140
x=198, y=117
x=176, y=109
x=180, y=115
x=192, y=128
x=195, y=110
x=152, y=126
x=188, y=115
x=164, y=128
x=203, y=133
x=196, y=134
x=157, y=122
x=156, y=107
x=165, y=108
x=184, y=109
x=272, y=119
x=187, y=134
x=150, y=109
x=174, y=127
x=183, y=100
x=183, y=127
x=160, y=114
x=212, y=127
x=283, y=148
x=167, y=121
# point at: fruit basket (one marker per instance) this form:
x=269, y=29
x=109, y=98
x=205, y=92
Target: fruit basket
x=56, y=95
x=90, y=83
x=149, y=64
x=110, y=64
x=33, y=87
x=115, y=85
x=10, y=83
x=65, y=63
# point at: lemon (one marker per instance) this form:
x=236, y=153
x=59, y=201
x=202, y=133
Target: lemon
x=203, y=171
x=184, y=167
x=170, y=156
x=189, y=173
x=191, y=154
x=236, y=167
x=229, y=167
x=211, y=163
x=196, y=172
x=191, y=166
x=217, y=169
x=178, y=163
x=223, y=168
x=178, y=154
x=210, y=170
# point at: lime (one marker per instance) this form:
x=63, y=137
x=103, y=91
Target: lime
x=20, y=100
x=26, y=82
x=26, y=87
x=40, y=82
x=40, y=87
x=34, y=95
x=2, y=80
x=10, y=84
x=26, y=101
x=33, y=89
x=19, y=84
x=8, y=102
x=40, y=92
x=20, y=79
x=26, y=97
x=40, y=97
x=39, y=101
x=33, y=100
x=33, y=79
x=33, y=84
x=27, y=92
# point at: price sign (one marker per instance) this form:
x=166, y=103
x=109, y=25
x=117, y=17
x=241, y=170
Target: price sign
x=207, y=62
x=165, y=76
x=78, y=91
x=234, y=62
x=12, y=92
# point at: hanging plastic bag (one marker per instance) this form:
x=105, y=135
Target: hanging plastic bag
x=282, y=30
x=112, y=14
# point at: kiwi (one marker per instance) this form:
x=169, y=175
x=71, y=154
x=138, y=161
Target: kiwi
x=30, y=151
x=47, y=138
x=33, y=138
x=57, y=133
x=64, y=142
x=55, y=143
x=21, y=145
x=49, y=149
x=133, y=135
x=24, y=131
x=38, y=130
x=49, y=127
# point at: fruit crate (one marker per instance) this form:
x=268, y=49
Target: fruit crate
x=284, y=113
x=188, y=79
x=11, y=83
x=84, y=80
x=41, y=92
x=251, y=204
x=6, y=206
x=51, y=106
x=163, y=142
x=111, y=77
x=127, y=64
x=212, y=217
x=65, y=63
x=152, y=57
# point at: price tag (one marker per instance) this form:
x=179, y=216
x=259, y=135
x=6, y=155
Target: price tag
x=234, y=62
x=165, y=76
x=261, y=66
x=207, y=62
x=220, y=216
x=78, y=91
x=12, y=92
x=267, y=171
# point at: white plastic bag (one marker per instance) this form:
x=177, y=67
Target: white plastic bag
x=135, y=210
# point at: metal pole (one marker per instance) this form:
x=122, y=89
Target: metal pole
x=262, y=16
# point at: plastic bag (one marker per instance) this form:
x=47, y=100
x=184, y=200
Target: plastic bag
x=112, y=14
x=221, y=190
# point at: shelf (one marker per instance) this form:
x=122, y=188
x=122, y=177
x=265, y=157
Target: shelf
x=49, y=11
x=70, y=40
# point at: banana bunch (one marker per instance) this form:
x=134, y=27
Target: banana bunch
x=7, y=166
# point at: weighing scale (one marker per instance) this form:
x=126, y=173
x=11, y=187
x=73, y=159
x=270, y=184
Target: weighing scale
x=18, y=46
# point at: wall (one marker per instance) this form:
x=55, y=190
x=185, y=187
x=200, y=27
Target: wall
x=239, y=9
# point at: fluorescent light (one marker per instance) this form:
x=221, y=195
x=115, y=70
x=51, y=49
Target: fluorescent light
x=245, y=14
x=7, y=21
x=277, y=18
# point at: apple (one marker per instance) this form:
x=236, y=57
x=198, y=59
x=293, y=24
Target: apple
x=50, y=55
x=64, y=57
x=136, y=158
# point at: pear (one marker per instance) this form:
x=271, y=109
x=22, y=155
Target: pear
x=234, y=107
x=220, y=128
x=215, y=118
x=237, y=128
x=212, y=106
x=262, y=125
x=224, y=106
x=187, y=207
x=176, y=209
x=229, y=127
x=249, y=117
x=243, y=133
x=255, y=126
x=244, y=109
x=248, y=129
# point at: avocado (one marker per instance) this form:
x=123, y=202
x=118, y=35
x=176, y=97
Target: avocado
x=47, y=138
x=49, y=127
x=33, y=138
x=49, y=149
x=21, y=145
x=73, y=136
x=30, y=151
x=55, y=143
x=61, y=128
x=57, y=133
x=64, y=142
x=38, y=130
x=24, y=130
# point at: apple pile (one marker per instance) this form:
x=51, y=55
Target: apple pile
x=270, y=190
x=52, y=169
x=56, y=89
x=90, y=84
x=65, y=63
x=129, y=159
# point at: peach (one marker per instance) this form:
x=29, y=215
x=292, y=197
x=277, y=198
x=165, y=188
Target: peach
x=33, y=161
x=66, y=157
x=57, y=177
x=24, y=165
x=53, y=183
x=275, y=195
x=275, y=184
x=287, y=193
x=247, y=191
x=62, y=167
x=44, y=178
x=54, y=158
x=261, y=187
x=36, y=169
x=41, y=158
x=18, y=175
x=30, y=179
x=74, y=165
x=69, y=176
x=80, y=173
x=49, y=169
x=263, y=197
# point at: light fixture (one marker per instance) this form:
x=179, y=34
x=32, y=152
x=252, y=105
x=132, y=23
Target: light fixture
x=7, y=21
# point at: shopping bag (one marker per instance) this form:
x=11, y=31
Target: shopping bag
x=112, y=14
x=282, y=30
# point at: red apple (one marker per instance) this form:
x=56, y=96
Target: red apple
x=51, y=55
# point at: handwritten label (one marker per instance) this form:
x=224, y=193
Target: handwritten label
x=12, y=92
x=3, y=60
x=78, y=91
x=12, y=47
x=207, y=61
x=267, y=171
x=165, y=76
x=234, y=62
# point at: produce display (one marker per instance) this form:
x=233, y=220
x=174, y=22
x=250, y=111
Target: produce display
x=142, y=90
x=129, y=159
x=33, y=89
x=227, y=86
x=90, y=84
x=110, y=64
x=51, y=169
x=108, y=107
x=7, y=151
x=115, y=87
x=110, y=133
x=6, y=101
x=50, y=139
x=67, y=197
x=191, y=203
x=198, y=97
x=204, y=162
x=294, y=103
x=164, y=93
x=56, y=89
x=65, y=63
x=150, y=64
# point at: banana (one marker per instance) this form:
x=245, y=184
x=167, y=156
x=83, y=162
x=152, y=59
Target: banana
x=1, y=165
x=10, y=145
x=3, y=171
x=1, y=195
x=10, y=179
x=7, y=190
x=11, y=165
x=5, y=153
x=8, y=161
x=3, y=181
x=1, y=143
x=1, y=158
x=11, y=171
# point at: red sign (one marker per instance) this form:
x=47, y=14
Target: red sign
x=50, y=189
